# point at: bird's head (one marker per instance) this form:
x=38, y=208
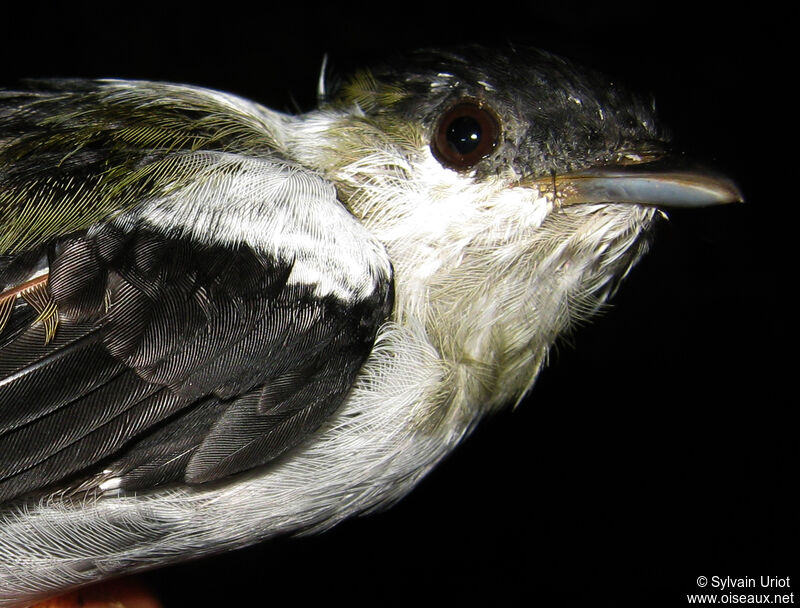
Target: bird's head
x=513, y=192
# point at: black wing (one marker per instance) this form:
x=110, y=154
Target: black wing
x=160, y=354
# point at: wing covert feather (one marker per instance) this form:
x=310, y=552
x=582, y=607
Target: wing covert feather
x=74, y=152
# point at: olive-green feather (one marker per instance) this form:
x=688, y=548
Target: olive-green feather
x=73, y=153
x=369, y=93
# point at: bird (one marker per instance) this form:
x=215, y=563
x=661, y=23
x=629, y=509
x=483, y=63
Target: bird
x=220, y=323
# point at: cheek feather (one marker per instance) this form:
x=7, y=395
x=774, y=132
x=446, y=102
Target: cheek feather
x=493, y=269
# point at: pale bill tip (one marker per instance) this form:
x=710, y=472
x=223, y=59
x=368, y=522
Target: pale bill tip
x=664, y=188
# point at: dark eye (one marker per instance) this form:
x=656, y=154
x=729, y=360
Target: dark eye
x=466, y=133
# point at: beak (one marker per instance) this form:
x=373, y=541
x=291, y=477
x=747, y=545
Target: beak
x=643, y=184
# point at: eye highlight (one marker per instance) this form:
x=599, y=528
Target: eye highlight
x=467, y=132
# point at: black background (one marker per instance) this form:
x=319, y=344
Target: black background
x=659, y=445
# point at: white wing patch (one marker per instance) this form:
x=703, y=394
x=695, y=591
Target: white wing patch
x=277, y=208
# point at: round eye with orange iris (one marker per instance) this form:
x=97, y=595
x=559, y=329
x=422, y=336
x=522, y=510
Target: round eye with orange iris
x=466, y=133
